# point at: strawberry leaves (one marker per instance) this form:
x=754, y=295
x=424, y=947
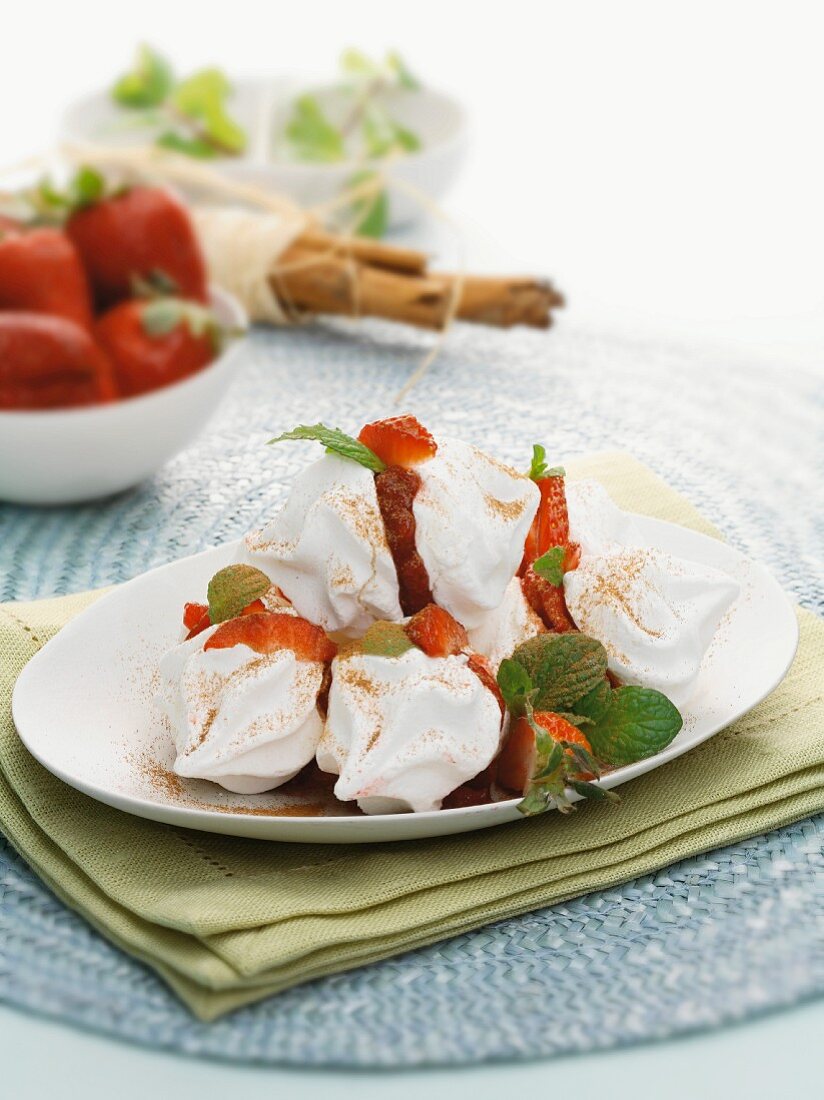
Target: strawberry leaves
x=337, y=442
x=234, y=588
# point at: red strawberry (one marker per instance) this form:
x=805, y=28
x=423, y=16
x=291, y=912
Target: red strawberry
x=396, y=489
x=547, y=601
x=153, y=343
x=480, y=666
x=435, y=632
x=475, y=792
x=399, y=441
x=516, y=763
x=193, y=613
x=268, y=631
x=40, y=272
x=49, y=362
x=551, y=524
x=143, y=233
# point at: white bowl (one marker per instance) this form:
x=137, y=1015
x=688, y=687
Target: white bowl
x=262, y=108
x=62, y=456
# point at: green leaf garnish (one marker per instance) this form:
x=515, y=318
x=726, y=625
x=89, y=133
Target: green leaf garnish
x=405, y=78
x=370, y=212
x=232, y=589
x=384, y=639
x=147, y=84
x=563, y=668
x=202, y=98
x=355, y=63
x=550, y=565
x=192, y=147
x=312, y=134
x=337, y=442
x=516, y=686
x=636, y=723
x=538, y=468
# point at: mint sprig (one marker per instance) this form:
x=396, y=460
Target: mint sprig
x=147, y=83
x=630, y=723
x=550, y=565
x=563, y=668
x=337, y=442
x=538, y=469
x=233, y=588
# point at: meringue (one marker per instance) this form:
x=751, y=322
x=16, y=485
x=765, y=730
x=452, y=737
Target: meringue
x=403, y=732
x=472, y=516
x=327, y=550
x=501, y=631
x=655, y=614
x=246, y=720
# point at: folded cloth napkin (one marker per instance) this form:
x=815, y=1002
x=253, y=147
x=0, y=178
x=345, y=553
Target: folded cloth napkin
x=228, y=921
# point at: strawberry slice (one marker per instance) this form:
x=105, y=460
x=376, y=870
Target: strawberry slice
x=551, y=524
x=268, y=631
x=435, y=632
x=399, y=441
x=480, y=666
x=475, y=792
x=516, y=763
x=547, y=601
x=193, y=613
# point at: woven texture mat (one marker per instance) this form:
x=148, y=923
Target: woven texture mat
x=709, y=940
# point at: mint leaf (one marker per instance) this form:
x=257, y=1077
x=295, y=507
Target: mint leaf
x=337, y=442
x=516, y=686
x=147, y=84
x=233, y=588
x=637, y=723
x=355, y=63
x=384, y=136
x=191, y=147
x=538, y=466
x=562, y=667
x=396, y=65
x=312, y=134
x=384, y=639
x=371, y=212
x=202, y=98
x=593, y=706
x=550, y=565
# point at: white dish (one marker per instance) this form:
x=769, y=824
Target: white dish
x=262, y=108
x=61, y=456
x=84, y=705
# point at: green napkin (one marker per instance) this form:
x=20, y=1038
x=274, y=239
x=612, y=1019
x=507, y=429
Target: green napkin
x=228, y=921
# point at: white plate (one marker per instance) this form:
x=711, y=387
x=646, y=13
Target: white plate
x=84, y=705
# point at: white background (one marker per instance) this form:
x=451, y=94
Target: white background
x=663, y=161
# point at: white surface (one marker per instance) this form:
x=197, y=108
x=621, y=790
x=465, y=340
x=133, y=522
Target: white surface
x=778, y=1056
x=437, y=119
x=60, y=456
x=99, y=674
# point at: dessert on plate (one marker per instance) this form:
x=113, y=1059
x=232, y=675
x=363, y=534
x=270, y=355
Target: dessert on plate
x=437, y=630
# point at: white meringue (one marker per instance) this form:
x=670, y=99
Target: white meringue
x=501, y=631
x=327, y=549
x=655, y=614
x=472, y=516
x=246, y=720
x=403, y=732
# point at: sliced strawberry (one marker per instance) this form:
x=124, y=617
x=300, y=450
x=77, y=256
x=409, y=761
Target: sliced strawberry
x=193, y=613
x=396, y=489
x=551, y=524
x=268, y=631
x=547, y=601
x=435, y=632
x=254, y=607
x=399, y=440
x=475, y=792
x=203, y=623
x=516, y=763
x=480, y=666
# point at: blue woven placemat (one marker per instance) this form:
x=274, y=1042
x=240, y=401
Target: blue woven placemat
x=710, y=940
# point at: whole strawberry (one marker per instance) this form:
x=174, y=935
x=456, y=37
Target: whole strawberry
x=154, y=342
x=144, y=234
x=41, y=272
x=49, y=363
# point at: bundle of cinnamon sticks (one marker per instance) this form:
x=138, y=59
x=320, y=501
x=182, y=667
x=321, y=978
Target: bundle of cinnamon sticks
x=328, y=273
